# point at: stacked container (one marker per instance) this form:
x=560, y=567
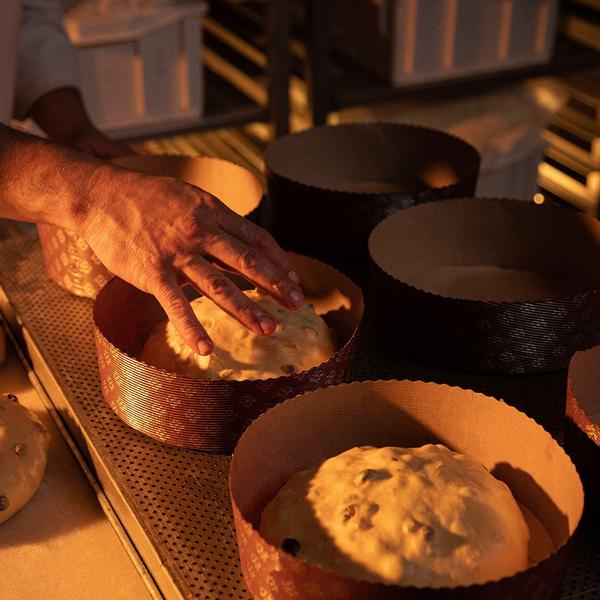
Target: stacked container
x=141, y=71
x=418, y=41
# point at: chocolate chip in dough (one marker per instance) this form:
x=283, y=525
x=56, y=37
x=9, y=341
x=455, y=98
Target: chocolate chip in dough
x=372, y=509
x=3, y=502
x=12, y=397
x=291, y=546
x=348, y=512
x=375, y=475
x=288, y=369
x=416, y=526
x=21, y=450
x=366, y=521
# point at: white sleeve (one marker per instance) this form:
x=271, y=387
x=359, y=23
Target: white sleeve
x=46, y=60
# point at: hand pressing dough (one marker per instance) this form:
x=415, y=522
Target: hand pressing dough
x=23, y=455
x=301, y=341
x=424, y=517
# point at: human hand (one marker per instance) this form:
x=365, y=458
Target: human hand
x=159, y=232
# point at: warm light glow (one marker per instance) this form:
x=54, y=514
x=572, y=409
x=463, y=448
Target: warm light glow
x=539, y=198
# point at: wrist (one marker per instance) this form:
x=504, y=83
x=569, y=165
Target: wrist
x=89, y=202
x=46, y=183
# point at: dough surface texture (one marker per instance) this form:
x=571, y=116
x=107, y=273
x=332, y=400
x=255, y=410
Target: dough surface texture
x=301, y=341
x=424, y=517
x=23, y=455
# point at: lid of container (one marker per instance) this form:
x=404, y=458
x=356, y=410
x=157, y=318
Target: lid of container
x=95, y=23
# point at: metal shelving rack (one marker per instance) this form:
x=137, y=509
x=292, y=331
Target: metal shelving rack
x=335, y=81
x=229, y=102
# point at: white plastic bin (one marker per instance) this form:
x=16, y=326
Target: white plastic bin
x=514, y=175
x=141, y=72
x=416, y=41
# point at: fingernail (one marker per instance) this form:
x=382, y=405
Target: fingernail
x=266, y=324
x=205, y=347
x=296, y=297
x=294, y=276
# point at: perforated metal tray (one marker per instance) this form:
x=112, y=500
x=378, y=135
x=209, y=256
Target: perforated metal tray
x=173, y=502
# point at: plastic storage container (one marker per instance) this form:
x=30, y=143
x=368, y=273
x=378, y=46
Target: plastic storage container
x=416, y=41
x=514, y=175
x=140, y=71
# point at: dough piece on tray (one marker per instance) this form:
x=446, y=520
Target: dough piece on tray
x=23, y=455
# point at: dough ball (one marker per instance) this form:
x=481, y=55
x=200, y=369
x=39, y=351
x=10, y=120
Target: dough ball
x=23, y=455
x=301, y=341
x=424, y=517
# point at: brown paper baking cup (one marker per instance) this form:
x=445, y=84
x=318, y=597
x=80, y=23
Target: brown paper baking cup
x=196, y=413
x=329, y=186
x=70, y=261
x=582, y=427
x=313, y=427
x=487, y=285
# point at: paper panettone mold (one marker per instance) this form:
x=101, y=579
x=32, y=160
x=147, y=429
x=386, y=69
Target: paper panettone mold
x=329, y=186
x=582, y=427
x=209, y=415
x=72, y=264
x=487, y=285
x=310, y=428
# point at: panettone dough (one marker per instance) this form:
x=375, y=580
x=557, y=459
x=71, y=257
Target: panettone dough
x=425, y=517
x=23, y=454
x=301, y=341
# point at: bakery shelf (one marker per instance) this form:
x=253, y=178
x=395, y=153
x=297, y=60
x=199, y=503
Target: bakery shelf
x=355, y=85
x=225, y=107
x=262, y=95
x=336, y=81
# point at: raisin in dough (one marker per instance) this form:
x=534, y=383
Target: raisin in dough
x=23, y=454
x=301, y=340
x=424, y=517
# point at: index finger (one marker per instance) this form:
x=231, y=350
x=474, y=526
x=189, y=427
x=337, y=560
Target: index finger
x=258, y=238
x=174, y=302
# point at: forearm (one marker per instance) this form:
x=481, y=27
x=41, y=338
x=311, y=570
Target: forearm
x=152, y=231
x=43, y=182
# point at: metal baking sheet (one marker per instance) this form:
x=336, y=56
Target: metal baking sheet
x=173, y=502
